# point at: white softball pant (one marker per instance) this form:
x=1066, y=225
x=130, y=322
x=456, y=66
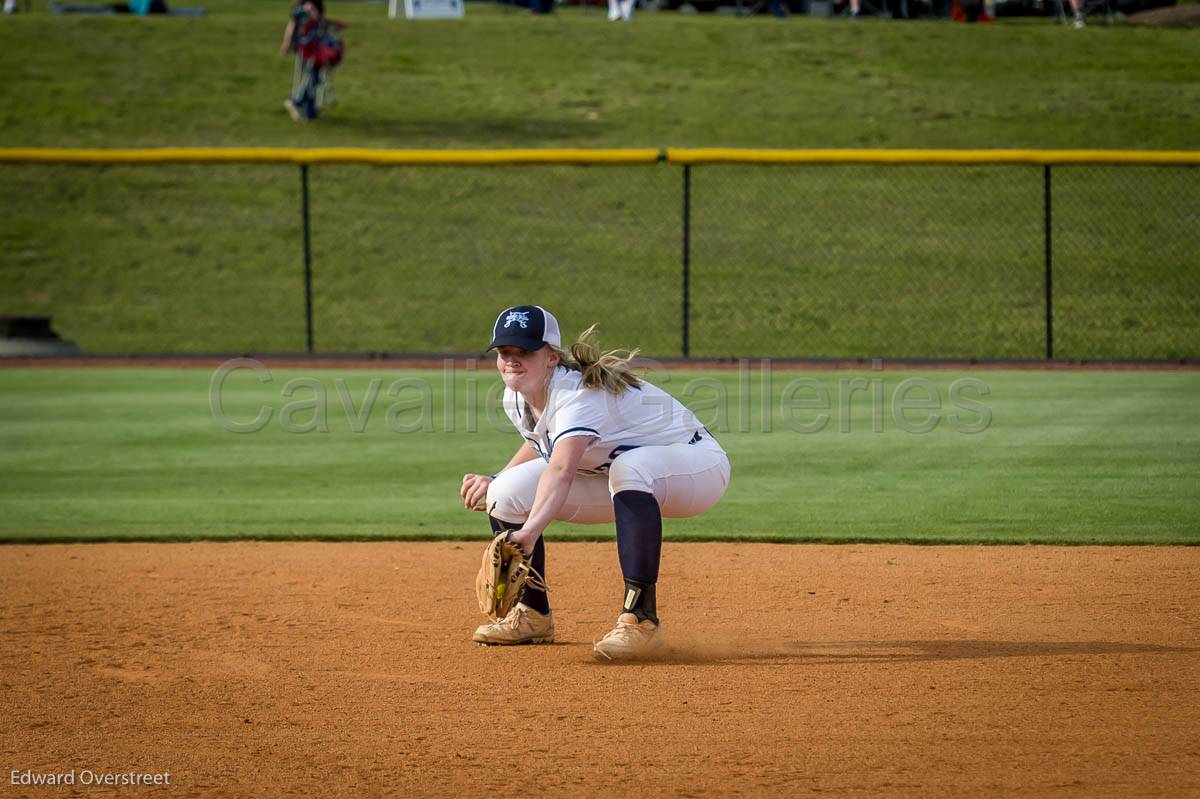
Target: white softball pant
x=686, y=479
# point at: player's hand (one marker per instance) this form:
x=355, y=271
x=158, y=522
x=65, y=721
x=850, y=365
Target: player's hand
x=525, y=539
x=474, y=491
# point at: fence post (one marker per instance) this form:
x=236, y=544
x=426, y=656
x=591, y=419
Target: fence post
x=308, y=314
x=1049, y=261
x=687, y=255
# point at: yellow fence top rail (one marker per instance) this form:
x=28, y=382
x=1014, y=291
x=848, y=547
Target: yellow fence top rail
x=325, y=155
x=644, y=156
x=1032, y=157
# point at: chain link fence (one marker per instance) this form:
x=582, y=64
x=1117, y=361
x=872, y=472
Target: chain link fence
x=421, y=260
x=156, y=259
x=1126, y=262
x=929, y=261
x=828, y=261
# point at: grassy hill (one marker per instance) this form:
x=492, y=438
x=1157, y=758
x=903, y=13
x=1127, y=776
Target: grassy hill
x=505, y=78
x=919, y=262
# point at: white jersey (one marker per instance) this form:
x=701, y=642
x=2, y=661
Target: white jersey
x=639, y=417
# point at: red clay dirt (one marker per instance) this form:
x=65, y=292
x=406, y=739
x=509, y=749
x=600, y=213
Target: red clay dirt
x=323, y=669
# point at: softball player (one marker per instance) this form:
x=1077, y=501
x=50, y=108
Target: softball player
x=601, y=445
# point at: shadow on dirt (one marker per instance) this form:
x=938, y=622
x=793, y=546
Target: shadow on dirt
x=677, y=651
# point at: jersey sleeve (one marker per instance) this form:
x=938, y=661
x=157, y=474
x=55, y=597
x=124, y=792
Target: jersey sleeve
x=583, y=413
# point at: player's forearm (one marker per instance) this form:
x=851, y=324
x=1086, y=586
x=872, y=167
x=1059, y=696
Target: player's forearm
x=553, y=487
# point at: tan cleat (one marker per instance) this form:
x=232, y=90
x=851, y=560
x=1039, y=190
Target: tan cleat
x=522, y=625
x=629, y=639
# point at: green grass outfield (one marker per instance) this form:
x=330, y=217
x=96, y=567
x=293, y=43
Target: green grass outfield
x=905, y=262
x=1067, y=458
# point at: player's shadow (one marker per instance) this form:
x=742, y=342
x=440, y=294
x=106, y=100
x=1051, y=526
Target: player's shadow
x=808, y=653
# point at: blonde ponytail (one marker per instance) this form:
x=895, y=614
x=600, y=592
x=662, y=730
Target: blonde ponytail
x=610, y=370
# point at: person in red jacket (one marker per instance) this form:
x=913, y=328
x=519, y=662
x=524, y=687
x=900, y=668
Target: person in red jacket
x=310, y=34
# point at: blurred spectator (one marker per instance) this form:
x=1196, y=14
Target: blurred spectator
x=972, y=11
x=140, y=7
x=293, y=28
x=1077, y=7
x=290, y=33
x=620, y=9
x=310, y=34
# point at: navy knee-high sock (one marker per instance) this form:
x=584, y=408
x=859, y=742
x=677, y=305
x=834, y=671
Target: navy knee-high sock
x=532, y=597
x=639, y=547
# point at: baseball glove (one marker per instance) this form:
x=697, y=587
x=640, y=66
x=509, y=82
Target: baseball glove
x=503, y=576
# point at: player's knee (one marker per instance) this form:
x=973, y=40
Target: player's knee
x=506, y=500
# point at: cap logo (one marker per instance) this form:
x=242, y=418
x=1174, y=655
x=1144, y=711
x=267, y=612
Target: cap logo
x=520, y=317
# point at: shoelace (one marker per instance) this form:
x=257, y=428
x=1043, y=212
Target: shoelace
x=513, y=619
x=623, y=632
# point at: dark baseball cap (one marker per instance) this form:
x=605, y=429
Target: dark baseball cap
x=529, y=327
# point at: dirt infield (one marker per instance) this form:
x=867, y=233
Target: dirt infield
x=309, y=669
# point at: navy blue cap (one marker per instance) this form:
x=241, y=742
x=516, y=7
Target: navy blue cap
x=529, y=327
